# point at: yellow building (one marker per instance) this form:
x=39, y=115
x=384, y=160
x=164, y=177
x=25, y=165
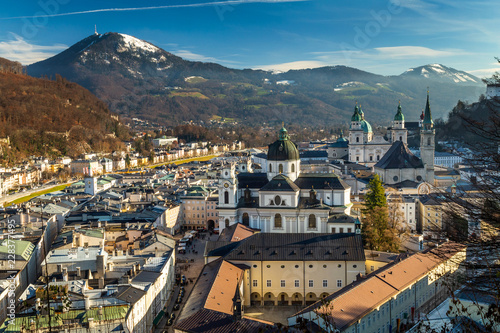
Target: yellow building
x=430, y=215
x=390, y=300
x=293, y=269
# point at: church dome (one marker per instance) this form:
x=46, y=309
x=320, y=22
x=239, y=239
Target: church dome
x=283, y=149
x=357, y=115
x=399, y=115
x=365, y=126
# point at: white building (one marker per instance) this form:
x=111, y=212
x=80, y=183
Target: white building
x=281, y=198
x=447, y=160
x=164, y=141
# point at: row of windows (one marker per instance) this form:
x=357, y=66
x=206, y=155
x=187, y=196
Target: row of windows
x=278, y=224
x=280, y=168
x=341, y=230
x=310, y=266
x=296, y=283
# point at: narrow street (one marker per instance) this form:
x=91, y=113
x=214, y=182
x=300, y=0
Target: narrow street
x=189, y=265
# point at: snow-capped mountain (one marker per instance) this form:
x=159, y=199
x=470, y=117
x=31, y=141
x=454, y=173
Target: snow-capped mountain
x=139, y=79
x=442, y=73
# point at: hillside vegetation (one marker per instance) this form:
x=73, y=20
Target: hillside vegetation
x=53, y=118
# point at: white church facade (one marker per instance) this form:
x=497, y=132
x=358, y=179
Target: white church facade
x=281, y=198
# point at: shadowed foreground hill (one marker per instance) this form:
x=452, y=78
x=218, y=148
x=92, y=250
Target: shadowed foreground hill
x=53, y=118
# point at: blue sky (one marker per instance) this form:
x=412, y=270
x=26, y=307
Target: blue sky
x=384, y=37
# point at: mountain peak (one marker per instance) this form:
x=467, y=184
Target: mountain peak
x=442, y=73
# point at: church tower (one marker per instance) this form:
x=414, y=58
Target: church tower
x=427, y=134
x=398, y=130
x=228, y=187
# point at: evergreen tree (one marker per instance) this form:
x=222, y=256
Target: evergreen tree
x=378, y=233
x=375, y=197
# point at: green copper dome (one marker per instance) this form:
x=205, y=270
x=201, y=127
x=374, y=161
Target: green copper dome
x=367, y=128
x=399, y=115
x=283, y=149
x=356, y=116
x=341, y=137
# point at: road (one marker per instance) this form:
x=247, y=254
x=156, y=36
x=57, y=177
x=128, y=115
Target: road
x=12, y=197
x=191, y=270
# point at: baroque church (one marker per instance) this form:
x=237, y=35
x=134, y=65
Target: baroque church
x=364, y=147
x=391, y=159
x=281, y=198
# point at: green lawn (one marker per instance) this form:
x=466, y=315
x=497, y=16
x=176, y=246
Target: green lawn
x=32, y=195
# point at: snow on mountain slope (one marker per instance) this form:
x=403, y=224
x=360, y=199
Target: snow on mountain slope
x=442, y=73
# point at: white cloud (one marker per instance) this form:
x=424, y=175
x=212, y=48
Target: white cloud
x=292, y=65
x=413, y=52
x=485, y=72
x=18, y=49
x=188, y=55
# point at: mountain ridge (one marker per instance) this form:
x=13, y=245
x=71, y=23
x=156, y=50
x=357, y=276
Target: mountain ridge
x=138, y=79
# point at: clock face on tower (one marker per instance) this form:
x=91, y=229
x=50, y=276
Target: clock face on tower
x=226, y=185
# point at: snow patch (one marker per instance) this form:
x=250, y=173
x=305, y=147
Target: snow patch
x=349, y=84
x=136, y=44
x=285, y=82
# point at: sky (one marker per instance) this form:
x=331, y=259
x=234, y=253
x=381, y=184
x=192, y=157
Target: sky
x=380, y=36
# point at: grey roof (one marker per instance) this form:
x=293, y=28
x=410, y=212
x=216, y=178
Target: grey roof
x=252, y=180
x=129, y=294
x=280, y=183
x=399, y=157
x=313, y=153
x=146, y=276
x=320, y=181
x=284, y=247
x=209, y=321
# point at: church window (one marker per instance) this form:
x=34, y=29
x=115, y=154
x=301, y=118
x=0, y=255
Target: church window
x=293, y=167
x=357, y=158
x=277, y=200
x=226, y=223
x=277, y=221
x=378, y=157
x=395, y=178
x=400, y=138
x=419, y=178
x=246, y=219
x=357, y=139
x=371, y=158
x=428, y=141
x=226, y=197
x=312, y=221
x=270, y=167
x=280, y=168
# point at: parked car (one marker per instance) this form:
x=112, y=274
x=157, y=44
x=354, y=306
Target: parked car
x=176, y=307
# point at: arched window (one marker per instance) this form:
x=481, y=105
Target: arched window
x=400, y=138
x=378, y=157
x=245, y=219
x=277, y=221
x=270, y=167
x=226, y=223
x=357, y=139
x=293, y=167
x=312, y=221
x=428, y=141
x=280, y=168
x=226, y=197
x=371, y=158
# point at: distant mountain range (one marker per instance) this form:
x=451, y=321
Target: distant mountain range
x=138, y=79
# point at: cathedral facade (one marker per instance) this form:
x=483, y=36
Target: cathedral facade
x=364, y=146
x=281, y=198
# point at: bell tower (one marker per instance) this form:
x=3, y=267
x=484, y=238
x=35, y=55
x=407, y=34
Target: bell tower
x=427, y=145
x=398, y=130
